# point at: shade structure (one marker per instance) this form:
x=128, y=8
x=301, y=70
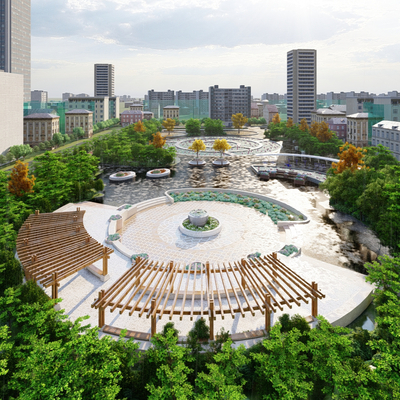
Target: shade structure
x=155, y=289
x=53, y=246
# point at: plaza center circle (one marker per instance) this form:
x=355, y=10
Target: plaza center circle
x=239, y=146
x=156, y=232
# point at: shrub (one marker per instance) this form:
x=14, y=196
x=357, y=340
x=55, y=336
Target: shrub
x=200, y=329
x=167, y=327
x=10, y=271
x=32, y=293
x=99, y=185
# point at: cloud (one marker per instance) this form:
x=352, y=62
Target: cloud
x=182, y=24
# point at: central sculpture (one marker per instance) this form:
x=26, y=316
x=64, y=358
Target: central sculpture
x=199, y=224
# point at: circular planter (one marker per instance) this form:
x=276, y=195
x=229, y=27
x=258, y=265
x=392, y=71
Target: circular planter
x=197, y=163
x=200, y=234
x=126, y=176
x=198, y=217
x=220, y=163
x=163, y=172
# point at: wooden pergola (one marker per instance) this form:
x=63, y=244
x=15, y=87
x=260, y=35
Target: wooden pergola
x=53, y=246
x=153, y=289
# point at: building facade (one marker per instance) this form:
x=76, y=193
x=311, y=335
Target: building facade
x=40, y=127
x=79, y=118
x=223, y=103
x=104, y=80
x=39, y=96
x=148, y=115
x=301, y=84
x=339, y=126
x=357, y=129
x=98, y=105
x=387, y=133
x=171, y=112
x=325, y=114
x=15, y=40
x=136, y=107
x=113, y=107
x=11, y=110
x=129, y=117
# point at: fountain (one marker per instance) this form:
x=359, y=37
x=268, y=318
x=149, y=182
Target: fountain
x=200, y=225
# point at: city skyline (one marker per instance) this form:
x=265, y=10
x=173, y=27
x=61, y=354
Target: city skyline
x=186, y=45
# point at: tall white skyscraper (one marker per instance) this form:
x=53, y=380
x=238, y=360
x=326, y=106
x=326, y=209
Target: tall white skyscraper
x=15, y=40
x=301, y=84
x=103, y=80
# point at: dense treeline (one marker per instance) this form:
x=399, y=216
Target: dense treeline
x=43, y=355
x=371, y=193
x=130, y=146
x=317, y=140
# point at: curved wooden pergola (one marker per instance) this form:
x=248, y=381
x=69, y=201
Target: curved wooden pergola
x=53, y=246
x=153, y=288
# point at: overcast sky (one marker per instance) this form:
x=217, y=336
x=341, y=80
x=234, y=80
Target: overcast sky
x=193, y=44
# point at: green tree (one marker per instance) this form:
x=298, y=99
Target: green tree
x=79, y=132
x=171, y=371
x=193, y=127
x=10, y=271
x=20, y=150
x=213, y=127
x=3, y=159
x=58, y=138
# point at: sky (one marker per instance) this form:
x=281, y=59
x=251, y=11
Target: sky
x=193, y=44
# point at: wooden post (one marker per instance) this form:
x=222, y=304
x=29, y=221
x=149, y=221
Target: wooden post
x=54, y=286
x=243, y=262
x=314, y=301
x=37, y=212
x=105, y=262
x=78, y=209
x=208, y=274
x=211, y=305
x=153, y=318
x=267, y=313
x=102, y=316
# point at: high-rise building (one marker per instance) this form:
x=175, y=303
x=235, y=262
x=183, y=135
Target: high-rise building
x=103, y=80
x=39, y=96
x=301, y=84
x=225, y=102
x=15, y=40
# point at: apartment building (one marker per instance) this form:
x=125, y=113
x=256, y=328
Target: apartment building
x=339, y=126
x=324, y=114
x=129, y=117
x=104, y=80
x=79, y=118
x=171, y=112
x=357, y=129
x=301, y=84
x=98, y=105
x=387, y=133
x=39, y=96
x=40, y=127
x=223, y=103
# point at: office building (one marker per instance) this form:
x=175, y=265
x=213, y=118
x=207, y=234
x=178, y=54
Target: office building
x=15, y=40
x=104, y=80
x=11, y=110
x=39, y=96
x=387, y=133
x=223, y=103
x=40, y=127
x=301, y=84
x=98, y=105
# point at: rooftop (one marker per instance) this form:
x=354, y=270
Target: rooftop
x=388, y=125
x=79, y=111
x=358, y=115
x=41, y=116
x=337, y=121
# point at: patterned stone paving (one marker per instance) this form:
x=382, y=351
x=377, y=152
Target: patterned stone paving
x=155, y=231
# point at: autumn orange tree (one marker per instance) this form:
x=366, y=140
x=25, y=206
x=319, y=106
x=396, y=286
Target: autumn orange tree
x=158, y=140
x=139, y=127
x=238, y=121
x=314, y=128
x=350, y=157
x=169, y=125
x=276, y=119
x=196, y=146
x=19, y=182
x=289, y=123
x=324, y=134
x=221, y=145
x=303, y=125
